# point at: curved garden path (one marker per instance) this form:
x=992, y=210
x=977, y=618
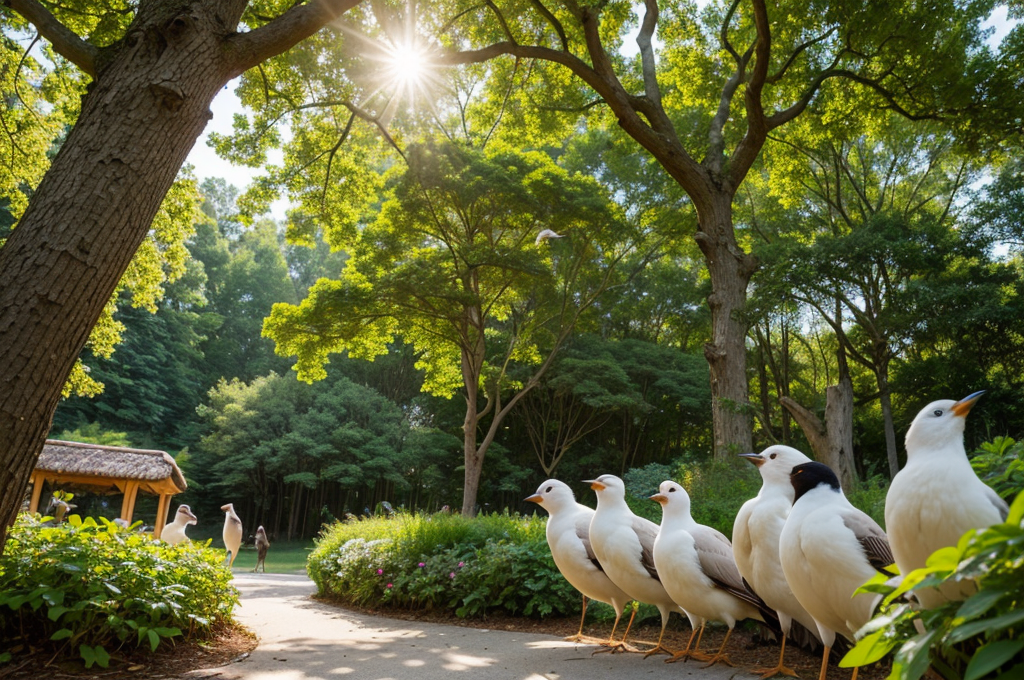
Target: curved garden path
x=301, y=639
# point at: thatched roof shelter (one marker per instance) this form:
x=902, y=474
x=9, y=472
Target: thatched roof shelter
x=109, y=470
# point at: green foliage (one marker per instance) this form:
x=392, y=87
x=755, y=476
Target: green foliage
x=1000, y=464
x=978, y=638
x=869, y=496
x=717, y=489
x=442, y=561
x=86, y=588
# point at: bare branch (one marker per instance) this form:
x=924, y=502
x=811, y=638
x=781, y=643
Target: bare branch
x=643, y=39
x=553, y=20
x=65, y=41
x=724, y=33
x=246, y=50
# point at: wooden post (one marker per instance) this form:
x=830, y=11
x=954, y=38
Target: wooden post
x=37, y=491
x=131, y=490
x=161, y=514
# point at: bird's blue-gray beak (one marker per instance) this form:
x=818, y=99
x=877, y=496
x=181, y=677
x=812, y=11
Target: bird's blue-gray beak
x=755, y=458
x=963, y=407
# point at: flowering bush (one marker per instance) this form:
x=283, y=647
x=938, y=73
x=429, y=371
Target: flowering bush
x=443, y=562
x=86, y=588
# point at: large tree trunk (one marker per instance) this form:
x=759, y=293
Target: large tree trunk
x=730, y=269
x=87, y=218
x=885, y=399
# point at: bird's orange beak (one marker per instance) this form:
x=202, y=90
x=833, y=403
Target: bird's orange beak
x=535, y=498
x=963, y=407
x=660, y=498
x=756, y=458
x=594, y=484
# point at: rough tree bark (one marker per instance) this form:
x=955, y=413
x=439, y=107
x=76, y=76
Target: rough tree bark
x=148, y=103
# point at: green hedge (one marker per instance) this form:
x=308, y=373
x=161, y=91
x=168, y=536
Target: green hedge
x=443, y=561
x=86, y=588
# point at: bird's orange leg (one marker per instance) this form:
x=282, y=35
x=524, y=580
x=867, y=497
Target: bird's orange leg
x=719, y=657
x=578, y=637
x=621, y=646
x=855, y=669
x=686, y=653
x=779, y=669
x=824, y=664
x=659, y=648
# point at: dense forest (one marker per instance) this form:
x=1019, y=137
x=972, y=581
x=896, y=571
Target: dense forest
x=501, y=263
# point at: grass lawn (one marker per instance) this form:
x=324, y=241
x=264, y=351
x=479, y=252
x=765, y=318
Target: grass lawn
x=282, y=558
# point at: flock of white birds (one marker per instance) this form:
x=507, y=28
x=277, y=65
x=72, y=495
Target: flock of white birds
x=800, y=548
x=174, y=533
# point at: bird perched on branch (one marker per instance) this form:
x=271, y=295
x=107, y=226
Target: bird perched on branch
x=696, y=566
x=937, y=497
x=174, y=533
x=232, y=532
x=829, y=549
x=262, y=545
x=568, y=534
x=755, y=543
x=544, y=235
x=624, y=545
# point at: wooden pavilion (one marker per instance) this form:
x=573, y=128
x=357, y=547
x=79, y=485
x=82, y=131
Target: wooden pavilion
x=109, y=470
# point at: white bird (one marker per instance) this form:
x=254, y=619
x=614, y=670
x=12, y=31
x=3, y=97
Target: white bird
x=544, y=235
x=696, y=566
x=937, y=497
x=568, y=534
x=755, y=542
x=232, y=532
x=174, y=533
x=829, y=549
x=624, y=545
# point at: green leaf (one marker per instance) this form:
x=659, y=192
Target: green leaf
x=869, y=649
x=61, y=634
x=102, y=657
x=961, y=633
x=53, y=597
x=943, y=559
x=154, y=639
x=979, y=603
x=913, y=656
x=992, y=656
x=879, y=583
x=88, y=654
x=1016, y=515
x=55, y=612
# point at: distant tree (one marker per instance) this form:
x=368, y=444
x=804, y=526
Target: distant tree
x=455, y=265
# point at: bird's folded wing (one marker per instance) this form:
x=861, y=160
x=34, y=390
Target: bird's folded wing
x=583, y=533
x=871, y=537
x=1001, y=507
x=647, y=532
x=716, y=561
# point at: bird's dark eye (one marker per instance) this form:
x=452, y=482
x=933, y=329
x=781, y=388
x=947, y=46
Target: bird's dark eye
x=671, y=490
x=773, y=456
x=548, y=490
x=937, y=412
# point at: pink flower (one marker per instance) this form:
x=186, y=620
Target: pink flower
x=422, y=564
x=451, y=575
x=389, y=585
x=462, y=564
x=379, y=572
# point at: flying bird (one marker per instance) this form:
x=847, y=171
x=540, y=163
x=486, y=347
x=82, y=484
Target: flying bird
x=568, y=534
x=696, y=566
x=937, y=497
x=232, y=532
x=174, y=533
x=545, y=234
x=755, y=545
x=262, y=545
x=624, y=545
x=829, y=549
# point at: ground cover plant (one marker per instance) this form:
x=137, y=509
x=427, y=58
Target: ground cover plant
x=470, y=566
x=88, y=588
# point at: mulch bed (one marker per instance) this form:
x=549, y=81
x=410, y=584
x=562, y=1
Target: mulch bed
x=229, y=643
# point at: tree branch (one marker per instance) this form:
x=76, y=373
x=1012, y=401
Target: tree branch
x=643, y=39
x=246, y=50
x=757, y=129
x=65, y=41
x=553, y=20
x=777, y=76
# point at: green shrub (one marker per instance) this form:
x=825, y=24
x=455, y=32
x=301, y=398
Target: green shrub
x=869, y=496
x=86, y=588
x=979, y=638
x=442, y=561
x=1000, y=464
